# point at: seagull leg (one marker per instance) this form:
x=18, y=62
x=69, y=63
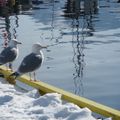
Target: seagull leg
x=7, y=66
x=30, y=76
x=10, y=66
x=34, y=75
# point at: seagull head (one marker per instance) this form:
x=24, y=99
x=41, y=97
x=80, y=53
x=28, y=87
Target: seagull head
x=37, y=47
x=14, y=43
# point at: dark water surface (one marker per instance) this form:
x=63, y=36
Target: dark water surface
x=85, y=54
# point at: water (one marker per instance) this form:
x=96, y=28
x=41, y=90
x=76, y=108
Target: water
x=84, y=57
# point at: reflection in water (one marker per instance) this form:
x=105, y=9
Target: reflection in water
x=90, y=7
x=52, y=21
x=75, y=8
x=9, y=10
x=72, y=8
x=89, y=25
x=52, y=28
x=78, y=59
x=15, y=26
x=81, y=13
x=11, y=24
x=7, y=27
x=9, y=32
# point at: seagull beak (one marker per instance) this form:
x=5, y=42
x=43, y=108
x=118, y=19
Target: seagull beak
x=44, y=46
x=19, y=42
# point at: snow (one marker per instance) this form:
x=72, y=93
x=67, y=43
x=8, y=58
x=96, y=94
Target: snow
x=16, y=104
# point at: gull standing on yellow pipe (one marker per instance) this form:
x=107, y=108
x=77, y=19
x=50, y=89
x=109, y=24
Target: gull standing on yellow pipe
x=10, y=53
x=31, y=62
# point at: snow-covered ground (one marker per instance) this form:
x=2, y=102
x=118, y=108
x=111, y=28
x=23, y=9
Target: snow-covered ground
x=15, y=104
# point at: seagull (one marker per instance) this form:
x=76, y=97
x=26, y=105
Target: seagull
x=10, y=53
x=31, y=62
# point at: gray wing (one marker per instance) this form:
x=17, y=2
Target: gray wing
x=8, y=55
x=30, y=63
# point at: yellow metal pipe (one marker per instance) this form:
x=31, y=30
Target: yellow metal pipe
x=80, y=101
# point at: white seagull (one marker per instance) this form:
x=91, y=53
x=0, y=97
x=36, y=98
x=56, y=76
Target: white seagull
x=10, y=53
x=31, y=62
